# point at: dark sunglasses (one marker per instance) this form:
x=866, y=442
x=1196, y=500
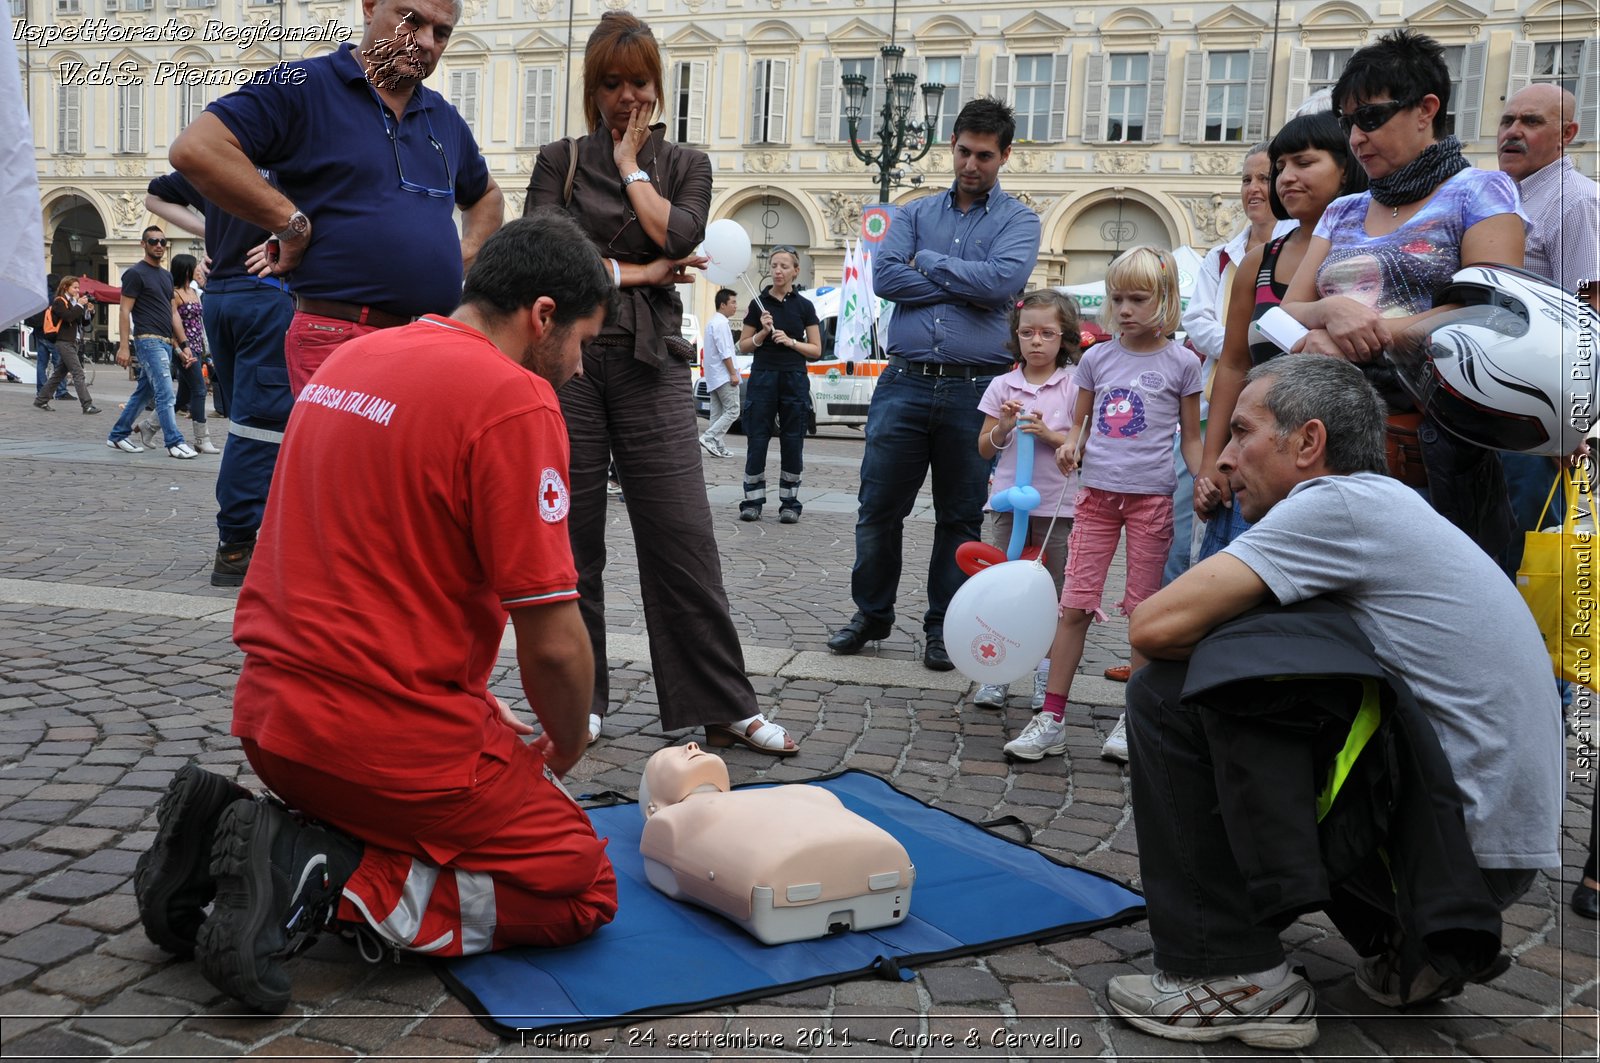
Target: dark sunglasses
x=158, y=242
x=1372, y=116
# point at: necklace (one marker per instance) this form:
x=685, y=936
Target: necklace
x=1394, y=212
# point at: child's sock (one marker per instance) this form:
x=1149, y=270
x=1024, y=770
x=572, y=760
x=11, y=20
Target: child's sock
x=1056, y=705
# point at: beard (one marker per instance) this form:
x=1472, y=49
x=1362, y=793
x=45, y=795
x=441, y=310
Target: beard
x=547, y=357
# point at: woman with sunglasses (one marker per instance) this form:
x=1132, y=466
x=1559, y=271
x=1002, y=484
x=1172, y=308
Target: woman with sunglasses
x=643, y=201
x=1311, y=166
x=1377, y=257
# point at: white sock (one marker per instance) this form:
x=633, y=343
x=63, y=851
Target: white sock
x=1272, y=976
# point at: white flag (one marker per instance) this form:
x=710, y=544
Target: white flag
x=853, y=341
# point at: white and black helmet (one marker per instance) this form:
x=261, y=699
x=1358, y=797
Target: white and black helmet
x=1511, y=368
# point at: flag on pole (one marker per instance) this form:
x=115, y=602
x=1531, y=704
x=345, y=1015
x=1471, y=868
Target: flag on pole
x=857, y=305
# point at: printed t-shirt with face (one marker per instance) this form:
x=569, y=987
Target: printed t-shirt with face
x=1133, y=416
x=409, y=511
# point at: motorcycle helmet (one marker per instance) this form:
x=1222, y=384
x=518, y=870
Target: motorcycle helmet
x=1511, y=368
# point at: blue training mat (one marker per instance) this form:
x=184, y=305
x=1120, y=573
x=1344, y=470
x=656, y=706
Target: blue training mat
x=975, y=891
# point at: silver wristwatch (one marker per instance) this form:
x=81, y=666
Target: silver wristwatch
x=637, y=175
x=298, y=226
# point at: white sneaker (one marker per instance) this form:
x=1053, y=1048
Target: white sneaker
x=125, y=445
x=1116, y=747
x=1044, y=736
x=183, y=450
x=990, y=696
x=709, y=447
x=1039, y=680
x=596, y=722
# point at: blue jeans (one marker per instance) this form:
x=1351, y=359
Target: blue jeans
x=1528, y=480
x=786, y=394
x=155, y=384
x=917, y=423
x=1182, y=519
x=245, y=324
x=1226, y=525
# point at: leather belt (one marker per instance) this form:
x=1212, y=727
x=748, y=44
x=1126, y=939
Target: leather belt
x=946, y=369
x=152, y=336
x=361, y=315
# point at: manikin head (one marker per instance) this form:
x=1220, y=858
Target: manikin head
x=679, y=772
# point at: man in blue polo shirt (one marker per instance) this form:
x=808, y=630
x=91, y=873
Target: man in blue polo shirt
x=246, y=318
x=953, y=264
x=370, y=166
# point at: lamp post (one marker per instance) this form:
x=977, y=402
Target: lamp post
x=901, y=138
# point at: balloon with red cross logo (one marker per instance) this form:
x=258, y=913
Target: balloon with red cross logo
x=1000, y=622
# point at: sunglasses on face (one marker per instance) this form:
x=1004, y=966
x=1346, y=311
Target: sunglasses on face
x=1369, y=117
x=159, y=242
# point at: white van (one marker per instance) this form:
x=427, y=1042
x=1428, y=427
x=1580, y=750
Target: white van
x=841, y=391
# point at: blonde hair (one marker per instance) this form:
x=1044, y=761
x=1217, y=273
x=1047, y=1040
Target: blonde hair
x=1145, y=269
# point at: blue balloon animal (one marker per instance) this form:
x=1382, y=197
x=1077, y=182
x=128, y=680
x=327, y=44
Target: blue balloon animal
x=1021, y=498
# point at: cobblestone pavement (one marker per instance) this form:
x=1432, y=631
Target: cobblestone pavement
x=118, y=668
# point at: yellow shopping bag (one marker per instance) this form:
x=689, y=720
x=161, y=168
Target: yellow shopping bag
x=1560, y=581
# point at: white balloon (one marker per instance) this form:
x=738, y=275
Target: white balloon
x=727, y=245
x=1000, y=623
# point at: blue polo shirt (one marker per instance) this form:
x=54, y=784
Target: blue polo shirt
x=328, y=140
x=228, y=238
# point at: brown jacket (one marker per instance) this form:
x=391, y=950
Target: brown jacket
x=599, y=204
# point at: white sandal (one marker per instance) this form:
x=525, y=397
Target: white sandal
x=767, y=738
x=595, y=723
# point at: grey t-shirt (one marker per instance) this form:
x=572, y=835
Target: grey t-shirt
x=1445, y=619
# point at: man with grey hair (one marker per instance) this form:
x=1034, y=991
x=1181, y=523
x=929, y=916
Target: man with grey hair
x=1306, y=463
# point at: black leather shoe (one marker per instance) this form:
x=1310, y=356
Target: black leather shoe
x=1585, y=901
x=935, y=658
x=856, y=634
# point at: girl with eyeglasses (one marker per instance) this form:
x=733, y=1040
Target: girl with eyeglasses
x=1037, y=398
x=1377, y=257
x=643, y=202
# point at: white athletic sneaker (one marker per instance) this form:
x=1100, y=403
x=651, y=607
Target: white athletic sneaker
x=990, y=696
x=1116, y=747
x=125, y=445
x=1283, y=1016
x=707, y=445
x=183, y=450
x=1044, y=736
x=1039, y=679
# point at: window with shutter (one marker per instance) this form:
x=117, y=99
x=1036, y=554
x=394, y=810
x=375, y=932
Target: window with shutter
x=689, y=101
x=68, y=115
x=769, y=102
x=1032, y=90
x=829, y=95
x=191, y=102
x=130, y=119
x=1127, y=96
x=1588, y=92
x=951, y=71
x=1155, y=111
x=868, y=129
x=1225, y=91
x=464, y=96
x=1061, y=74
x=538, y=106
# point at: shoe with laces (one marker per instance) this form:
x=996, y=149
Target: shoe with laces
x=1379, y=978
x=990, y=696
x=126, y=445
x=278, y=885
x=1045, y=736
x=788, y=516
x=231, y=564
x=1283, y=1016
x=183, y=450
x=723, y=451
x=172, y=882
x=709, y=446
x=1039, y=679
x=1116, y=747
x=91, y=408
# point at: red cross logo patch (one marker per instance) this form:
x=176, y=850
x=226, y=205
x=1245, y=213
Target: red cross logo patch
x=988, y=650
x=553, y=498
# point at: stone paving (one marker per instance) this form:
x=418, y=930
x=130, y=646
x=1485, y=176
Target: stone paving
x=117, y=668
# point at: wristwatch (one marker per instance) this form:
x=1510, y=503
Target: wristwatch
x=637, y=175
x=298, y=226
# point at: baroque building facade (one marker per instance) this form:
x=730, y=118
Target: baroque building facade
x=1133, y=121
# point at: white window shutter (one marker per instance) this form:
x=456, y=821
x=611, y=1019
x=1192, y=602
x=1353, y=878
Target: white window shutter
x=1002, y=78
x=1095, y=92
x=538, y=106
x=827, y=101
x=699, y=73
x=1588, y=92
x=1521, y=75
x=1299, y=78
x=1469, y=114
x=1255, y=108
x=778, y=102
x=758, y=92
x=1058, y=97
x=1193, y=96
x=1155, y=101
x=969, y=88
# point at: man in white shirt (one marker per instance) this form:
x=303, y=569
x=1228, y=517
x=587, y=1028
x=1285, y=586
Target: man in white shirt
x=720, y=374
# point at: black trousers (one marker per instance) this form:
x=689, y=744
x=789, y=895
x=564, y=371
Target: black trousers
x=1219, y=890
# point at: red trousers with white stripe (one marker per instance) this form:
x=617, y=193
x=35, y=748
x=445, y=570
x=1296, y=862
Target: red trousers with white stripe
x=511, y=860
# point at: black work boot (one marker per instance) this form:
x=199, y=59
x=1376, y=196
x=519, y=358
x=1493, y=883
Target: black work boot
x=172, y=882
x=233, y=561
x=278, y=885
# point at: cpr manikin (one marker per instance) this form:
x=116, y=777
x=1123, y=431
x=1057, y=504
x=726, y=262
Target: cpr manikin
x=787, y=863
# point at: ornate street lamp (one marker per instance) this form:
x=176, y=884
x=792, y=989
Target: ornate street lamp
x=901, y=138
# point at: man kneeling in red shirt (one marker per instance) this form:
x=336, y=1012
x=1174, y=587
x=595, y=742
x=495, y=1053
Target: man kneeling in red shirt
x=420, y=497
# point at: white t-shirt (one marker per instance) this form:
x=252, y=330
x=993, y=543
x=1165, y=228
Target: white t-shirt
x=1446, y=620
x=717, y=348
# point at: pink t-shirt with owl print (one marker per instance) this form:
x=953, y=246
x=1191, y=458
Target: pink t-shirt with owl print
x=1134, y=415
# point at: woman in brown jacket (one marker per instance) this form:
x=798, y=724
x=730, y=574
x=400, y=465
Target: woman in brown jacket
x=70, y=310
x=644, y=201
